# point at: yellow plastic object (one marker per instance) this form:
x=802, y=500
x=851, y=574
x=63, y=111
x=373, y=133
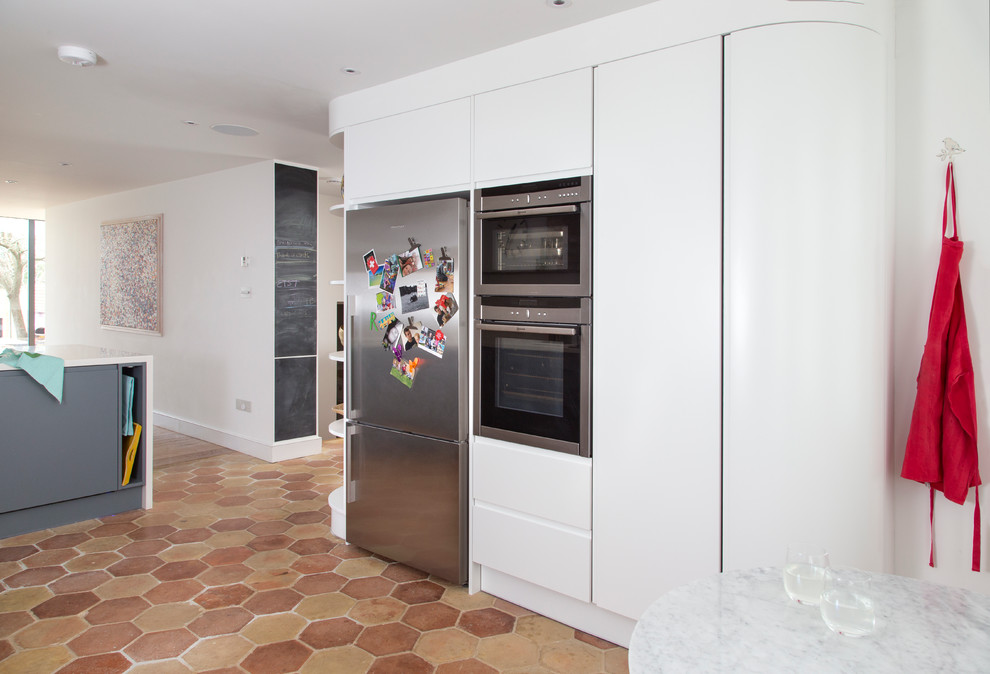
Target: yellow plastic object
x=130, y=453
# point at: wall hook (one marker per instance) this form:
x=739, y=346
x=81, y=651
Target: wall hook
x=951, y=148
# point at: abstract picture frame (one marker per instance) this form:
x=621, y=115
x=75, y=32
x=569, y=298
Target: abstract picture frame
x=131, y=274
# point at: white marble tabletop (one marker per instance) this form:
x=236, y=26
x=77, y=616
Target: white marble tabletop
x=743, y=621
x=76, y=355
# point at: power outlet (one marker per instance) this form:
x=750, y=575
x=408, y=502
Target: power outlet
x=243, y=405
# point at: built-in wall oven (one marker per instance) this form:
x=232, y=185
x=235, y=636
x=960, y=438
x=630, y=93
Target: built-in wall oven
x=534, y=239
x=533, y=371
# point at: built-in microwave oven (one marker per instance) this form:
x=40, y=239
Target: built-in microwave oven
x=534, y=239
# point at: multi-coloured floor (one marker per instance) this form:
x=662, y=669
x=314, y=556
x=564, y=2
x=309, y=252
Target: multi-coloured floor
x=235, y=570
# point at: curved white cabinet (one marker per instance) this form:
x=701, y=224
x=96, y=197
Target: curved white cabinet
x=807, y=259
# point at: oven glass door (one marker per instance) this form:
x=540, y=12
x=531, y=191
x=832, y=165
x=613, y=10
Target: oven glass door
x=534, y=250
x=531, y=383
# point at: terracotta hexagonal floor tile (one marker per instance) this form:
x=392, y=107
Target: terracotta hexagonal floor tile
x=225, y=556
x=316, y=563
x=65, y=604
x=220, y=621
x=126, y=586
x=224, y=575
x=269, y=560
x=377, y=610
x=168, y=616
x=133, y=566
x=406, y=663
x=387, y=639
x=160, y=645
x=366, y=588
x=105, y=663
x=92, y=561
x=340, y=660
x=471, y=666
x=592, y=640
x=266, y=475
x=508, y=651
x=418, y=592
x=6, y=650
x=318, y=583
x=106, y=530
x=13, y=621
x=312, y=546
x=144, y=548
x=331, y=633
x=273, y=601
x=325, y=606
x=277, y=658
x=214, y=655
x=50, y=557
x=269, y=528
x=174, y=591
x=617, y=661
x=346, y=551
x=432, y=616
x=232, y=524
x=361, y=567
x=180, y=570
x=104, y=639
x=16, y=553
x=224, y=595
x=63, y=541
x=50, y=632
x=120, y=610
x=446, y=645
x=268, y=629
x=272, y=542
x=572, y=657
x=307, y=517
x=306, y=495
x=31, y=577
x=196, y=535
x=486, y=622
x=80, y=582
x=401, y=573
x=149, y=533
x=542, y=630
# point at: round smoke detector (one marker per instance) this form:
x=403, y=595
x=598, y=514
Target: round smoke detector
x=77, y=56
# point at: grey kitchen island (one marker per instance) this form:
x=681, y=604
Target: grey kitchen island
x=65, y=462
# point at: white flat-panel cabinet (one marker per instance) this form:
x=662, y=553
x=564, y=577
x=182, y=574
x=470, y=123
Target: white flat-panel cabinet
x=806, y=311
x=539, y=127
x=657, y=315
x=421, y=151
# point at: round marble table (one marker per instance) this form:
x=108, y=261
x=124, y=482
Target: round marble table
x=742, y=621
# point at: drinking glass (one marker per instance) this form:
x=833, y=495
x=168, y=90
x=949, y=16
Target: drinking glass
x=804, y=573
x=847, y=602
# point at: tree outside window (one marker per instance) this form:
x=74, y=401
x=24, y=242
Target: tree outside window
x=18, y=292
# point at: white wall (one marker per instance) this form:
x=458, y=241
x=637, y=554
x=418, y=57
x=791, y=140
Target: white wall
x=215, y=346
x=943, y=89
x=330, y=251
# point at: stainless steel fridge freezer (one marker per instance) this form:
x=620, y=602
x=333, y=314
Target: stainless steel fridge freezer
x=406, y=396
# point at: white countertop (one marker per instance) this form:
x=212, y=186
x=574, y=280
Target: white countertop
x=76, y=355
x=743, y=621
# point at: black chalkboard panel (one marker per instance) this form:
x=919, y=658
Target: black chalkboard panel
x=295, y=398
x=295, y=261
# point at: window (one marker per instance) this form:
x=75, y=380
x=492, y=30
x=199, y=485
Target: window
x=22, y=282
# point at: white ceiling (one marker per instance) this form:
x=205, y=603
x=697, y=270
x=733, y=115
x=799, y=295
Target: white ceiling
x=272, y=65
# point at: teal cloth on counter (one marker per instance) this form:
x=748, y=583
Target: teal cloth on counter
x=49, y=371
x=127, y=400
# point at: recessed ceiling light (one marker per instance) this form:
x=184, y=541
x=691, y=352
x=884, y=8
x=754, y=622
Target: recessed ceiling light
x=189, y=122
x=77, y=56
x=234, y=129
x=350, y=71
x=10, y=181
x=559, y=3
x=65, y=163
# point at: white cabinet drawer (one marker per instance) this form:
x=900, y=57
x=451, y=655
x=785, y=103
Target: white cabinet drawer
x=538, y=482
x=536, y=127
x=555, y=557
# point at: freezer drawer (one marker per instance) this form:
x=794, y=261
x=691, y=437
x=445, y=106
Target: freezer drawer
x=407, y=499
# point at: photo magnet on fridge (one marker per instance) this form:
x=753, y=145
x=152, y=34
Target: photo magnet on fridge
x=375, y=277
x=384, y=301
x=393, y=338
x=390, y=270
x=445, y=308
x=445, y=273
x=370, y=262
x=414, y=298
x=410, y=334
x=428, y=260
x=405, y=370
x=433, y=341
x=385, y=320
x=411, y=261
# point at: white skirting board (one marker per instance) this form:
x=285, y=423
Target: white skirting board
x=271, y=452
x=578, y=614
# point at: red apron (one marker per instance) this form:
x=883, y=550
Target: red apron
x=941, y=445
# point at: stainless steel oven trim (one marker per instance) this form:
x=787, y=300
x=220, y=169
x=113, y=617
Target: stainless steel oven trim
x=522, y=212
x=580, y=289
x=583, y=446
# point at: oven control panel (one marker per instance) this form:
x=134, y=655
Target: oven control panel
x=576, y=310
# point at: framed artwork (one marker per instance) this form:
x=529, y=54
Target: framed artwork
x=131, y=274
